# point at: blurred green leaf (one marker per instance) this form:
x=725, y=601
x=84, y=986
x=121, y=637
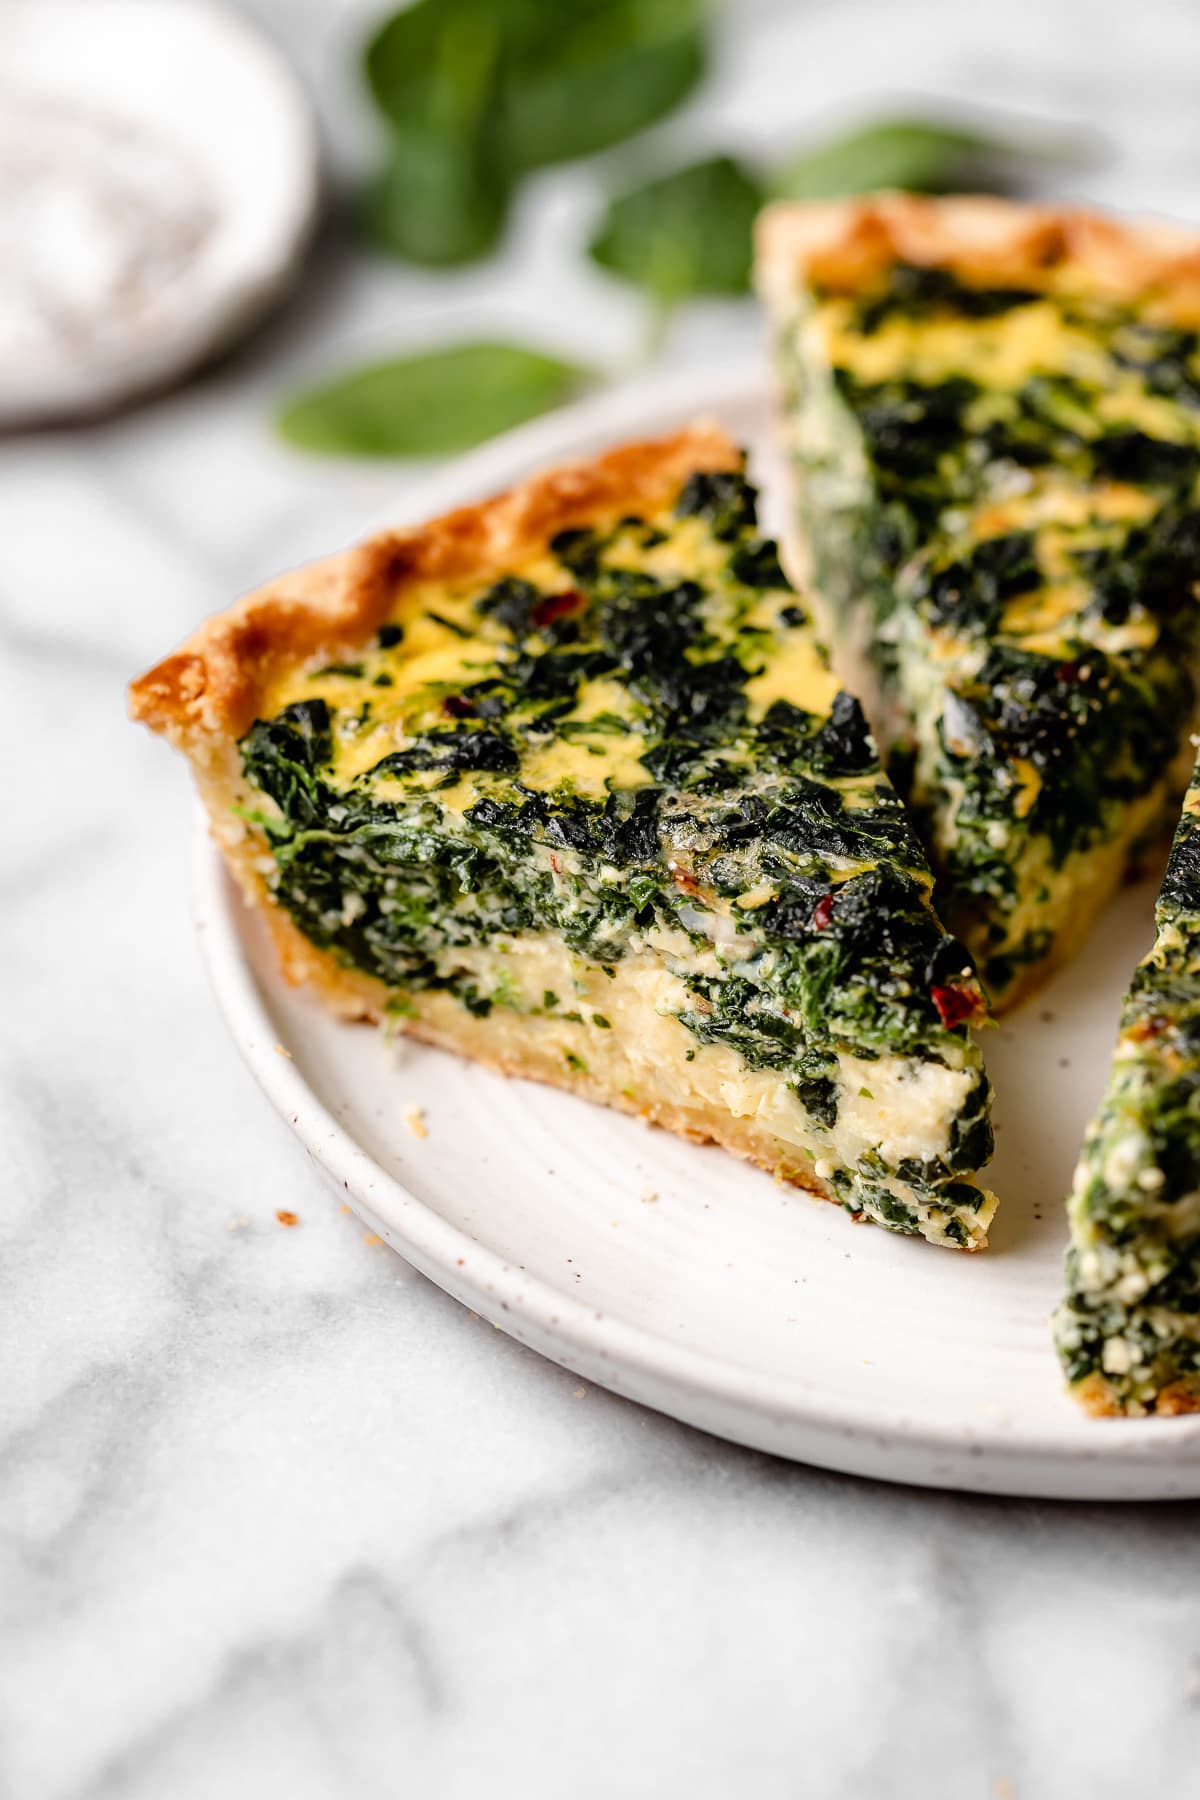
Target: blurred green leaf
x=434, y=66
x=595, y=73
x=442, y=195
x=922, y=157
x=439, y=201
x=431, y=404
x=478, y=92
x=685, y=233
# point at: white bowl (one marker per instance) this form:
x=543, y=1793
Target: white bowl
x=158, y=183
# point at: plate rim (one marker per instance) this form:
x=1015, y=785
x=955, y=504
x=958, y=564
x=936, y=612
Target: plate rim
x=1149, y=1459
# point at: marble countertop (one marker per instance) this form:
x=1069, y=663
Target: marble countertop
x=276, y=1516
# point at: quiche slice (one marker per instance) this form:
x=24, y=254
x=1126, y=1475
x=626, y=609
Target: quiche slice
x=1128, y=1331
x=992, y=412
x=563, y=782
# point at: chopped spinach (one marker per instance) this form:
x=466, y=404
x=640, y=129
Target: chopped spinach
x=757, y=852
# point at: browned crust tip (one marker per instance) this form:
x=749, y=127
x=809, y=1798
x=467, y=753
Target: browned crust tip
x=843, y=244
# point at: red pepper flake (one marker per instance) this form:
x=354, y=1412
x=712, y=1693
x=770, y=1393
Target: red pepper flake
x=822, y=912
x=955, y=1004
x=288, y=1218
x=1068, y=671
x=458, y=706
x=557, y=606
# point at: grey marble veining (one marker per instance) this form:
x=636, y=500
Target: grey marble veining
x=277, y=1517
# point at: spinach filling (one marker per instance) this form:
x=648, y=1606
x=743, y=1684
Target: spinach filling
x=602, y=767
x=1017, y=557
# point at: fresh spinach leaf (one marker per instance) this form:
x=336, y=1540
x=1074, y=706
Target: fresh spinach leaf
x=439, y=200
x=685, y=233
x=478, y=92
x=434, y=66
x=921, y=156
x=442, y=194
x=594, y=73
x=431, y=404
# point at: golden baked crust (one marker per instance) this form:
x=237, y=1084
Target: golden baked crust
x=211, y=686
x=845, y=244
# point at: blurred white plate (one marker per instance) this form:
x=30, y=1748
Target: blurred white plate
x=158, y=182
x=726, y=1300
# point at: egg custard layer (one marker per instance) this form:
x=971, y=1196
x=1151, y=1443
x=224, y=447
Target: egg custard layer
x=587, y=803
x=993, y=418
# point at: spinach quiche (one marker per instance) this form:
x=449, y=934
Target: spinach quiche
x=992, y=412
x=563, y=782
x=1128, y=1331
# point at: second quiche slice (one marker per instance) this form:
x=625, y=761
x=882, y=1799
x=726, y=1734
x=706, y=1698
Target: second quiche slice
x=563, y=782
x=993, y=415
x=1128, y=1331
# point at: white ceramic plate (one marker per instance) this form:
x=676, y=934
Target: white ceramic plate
x=674, y=1274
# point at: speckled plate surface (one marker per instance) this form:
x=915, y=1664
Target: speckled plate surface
x=672, y=1273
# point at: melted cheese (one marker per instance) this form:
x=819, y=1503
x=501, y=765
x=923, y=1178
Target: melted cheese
x=1000, y=352
x=900, y=1106
x=799, y=673
x=597, y=767
x=435, y=659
